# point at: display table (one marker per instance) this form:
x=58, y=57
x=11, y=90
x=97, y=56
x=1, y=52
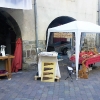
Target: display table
x=8, y=65
x=82, y=56
x=72, y=58
x=48, y=57
x=85, y=65
x=93, y=59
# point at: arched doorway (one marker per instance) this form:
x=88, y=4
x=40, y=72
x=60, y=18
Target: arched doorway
x=9, y=32
x=56, y=22
x=58, y=41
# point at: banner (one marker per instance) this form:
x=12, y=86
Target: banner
x=16, y=4
x=62, y=35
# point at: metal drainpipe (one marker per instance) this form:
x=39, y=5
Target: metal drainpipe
x=98, y=35
x=98, y=12
x=36, y=31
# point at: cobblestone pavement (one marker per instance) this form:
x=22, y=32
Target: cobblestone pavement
x=24, y=87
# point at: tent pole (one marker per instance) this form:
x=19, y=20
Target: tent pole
x=77, y=49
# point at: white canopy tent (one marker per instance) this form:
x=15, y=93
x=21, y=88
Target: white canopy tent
x=78, y=27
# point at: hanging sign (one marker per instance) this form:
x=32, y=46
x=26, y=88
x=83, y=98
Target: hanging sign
x=16, y=4
x=63, y=35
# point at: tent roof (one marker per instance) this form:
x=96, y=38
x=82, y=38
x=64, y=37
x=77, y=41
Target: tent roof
x=76, y=25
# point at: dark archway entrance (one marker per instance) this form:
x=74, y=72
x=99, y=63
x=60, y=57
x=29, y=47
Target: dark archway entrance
x=9, y=32
x=60, y=45
x=56, y=22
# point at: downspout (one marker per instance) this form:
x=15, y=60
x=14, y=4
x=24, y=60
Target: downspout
x=98, y=22
x=98, y=12
x=36, y=30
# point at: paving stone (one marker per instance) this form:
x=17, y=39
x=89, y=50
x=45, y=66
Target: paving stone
x=90, y=99
x=23, y=87
x=49, y=97
x=39, y=91
x=61, y=99
x=37, y=96
x=36, y=99
x=50, y=92
x=17, y=99
x=42, y=86
x=44, y=95
x=31, y=97
x=10, y=98
x=42, y=98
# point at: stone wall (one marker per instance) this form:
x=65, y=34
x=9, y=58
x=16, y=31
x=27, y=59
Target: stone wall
x=47, y=11
x=30, y=54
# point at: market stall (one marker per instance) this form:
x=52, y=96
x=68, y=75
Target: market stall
x=77, y=27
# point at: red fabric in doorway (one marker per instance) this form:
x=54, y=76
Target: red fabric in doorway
x=17, y=61
x=59, y=39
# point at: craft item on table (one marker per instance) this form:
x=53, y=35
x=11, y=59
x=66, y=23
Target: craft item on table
x=3, y=50
x=2, y=71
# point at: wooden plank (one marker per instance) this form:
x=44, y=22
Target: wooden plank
x=8, y=65
x=4, y=74
x=56, y=78
x=48, y=75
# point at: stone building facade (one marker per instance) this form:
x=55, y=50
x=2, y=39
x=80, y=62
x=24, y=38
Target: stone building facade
x=47, y=11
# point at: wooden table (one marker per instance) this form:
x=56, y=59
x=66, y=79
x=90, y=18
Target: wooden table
x=8, y=65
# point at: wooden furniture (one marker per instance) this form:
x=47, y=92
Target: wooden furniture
x=48, y=72
x=48, y=57
x=83, y=72
x=8, y=65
